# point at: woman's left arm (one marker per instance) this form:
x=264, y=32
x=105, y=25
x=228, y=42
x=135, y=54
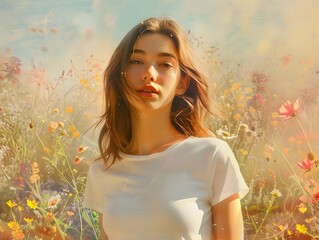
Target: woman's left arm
x=228, y=219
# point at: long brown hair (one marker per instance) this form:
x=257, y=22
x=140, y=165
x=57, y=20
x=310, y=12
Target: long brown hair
x=188, y=111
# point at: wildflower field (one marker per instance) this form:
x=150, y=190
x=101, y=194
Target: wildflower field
x=48, y=139
x=47, y=146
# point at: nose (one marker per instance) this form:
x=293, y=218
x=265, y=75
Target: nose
x=150, y=74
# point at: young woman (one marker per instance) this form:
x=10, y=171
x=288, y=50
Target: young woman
x=161, y=175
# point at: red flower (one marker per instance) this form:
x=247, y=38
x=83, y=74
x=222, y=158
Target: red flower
x=289, y=110
x=306, y=164
x=316, y=196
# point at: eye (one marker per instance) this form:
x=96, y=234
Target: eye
x=166, y=65
x=135, y=61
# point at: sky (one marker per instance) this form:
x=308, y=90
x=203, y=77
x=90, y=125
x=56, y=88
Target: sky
x=280, y=36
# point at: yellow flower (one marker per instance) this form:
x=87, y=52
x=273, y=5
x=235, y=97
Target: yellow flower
x=61, y=124
x=248, y=90
x=32, y=204
x=69, y=109
x=289, y=232
x=301, y=228
x=243, y=151
x=11, y=204
x=274, y=114
x=20, y=208
x=302, y=208
x=72, y=128
x=282, y=228
x=235, y=86
x=308, y=220
x=14, y=226
x=84, y=82
x=56, y=110
x=28, y=220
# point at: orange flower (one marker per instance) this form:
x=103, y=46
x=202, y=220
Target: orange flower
x=18, y=235
x=236, y=116
x=53, y=126
x=34, y=178
x=81, y=149
x=69, y=109
x=53, y=201
x=75, y=134
x=289, y=110
x=49, y=217
x=70, y=213
x=77, y=160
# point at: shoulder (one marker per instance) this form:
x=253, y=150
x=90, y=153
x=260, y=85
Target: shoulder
x=213, y=147
x=97, y=166
x=207, y=142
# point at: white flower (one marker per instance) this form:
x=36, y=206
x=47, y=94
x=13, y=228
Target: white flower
x=54, y=200
x=276, y=193
x=225, y=135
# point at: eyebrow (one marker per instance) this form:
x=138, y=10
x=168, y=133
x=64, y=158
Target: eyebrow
x=161, y=54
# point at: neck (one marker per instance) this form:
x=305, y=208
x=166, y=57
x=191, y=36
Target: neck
x=152, y=132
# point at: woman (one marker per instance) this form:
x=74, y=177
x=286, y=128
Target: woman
x=161, y=174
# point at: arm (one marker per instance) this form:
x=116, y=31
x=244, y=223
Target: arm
x=227, y=219
x=103, y=235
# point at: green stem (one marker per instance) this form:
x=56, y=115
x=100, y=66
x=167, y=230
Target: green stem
x=304, y=133
x=263, y=220
x=290, y=168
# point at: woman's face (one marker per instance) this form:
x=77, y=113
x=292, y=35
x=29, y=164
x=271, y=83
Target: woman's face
x=154, y=73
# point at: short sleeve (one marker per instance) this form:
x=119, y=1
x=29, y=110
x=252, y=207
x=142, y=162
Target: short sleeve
x=94, y=194
x=226, y=178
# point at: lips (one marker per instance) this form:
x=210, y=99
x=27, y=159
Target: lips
x=148, y=89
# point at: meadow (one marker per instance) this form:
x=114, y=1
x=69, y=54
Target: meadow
x=47, y=143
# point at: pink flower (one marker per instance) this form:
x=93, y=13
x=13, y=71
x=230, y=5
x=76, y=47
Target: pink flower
x=13, y=66
x=289, y=110
x=257, y=101
x=306, y=164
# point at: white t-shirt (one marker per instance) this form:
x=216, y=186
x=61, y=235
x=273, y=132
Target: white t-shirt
x=166, y=195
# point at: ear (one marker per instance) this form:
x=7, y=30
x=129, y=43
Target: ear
x=182, y=85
